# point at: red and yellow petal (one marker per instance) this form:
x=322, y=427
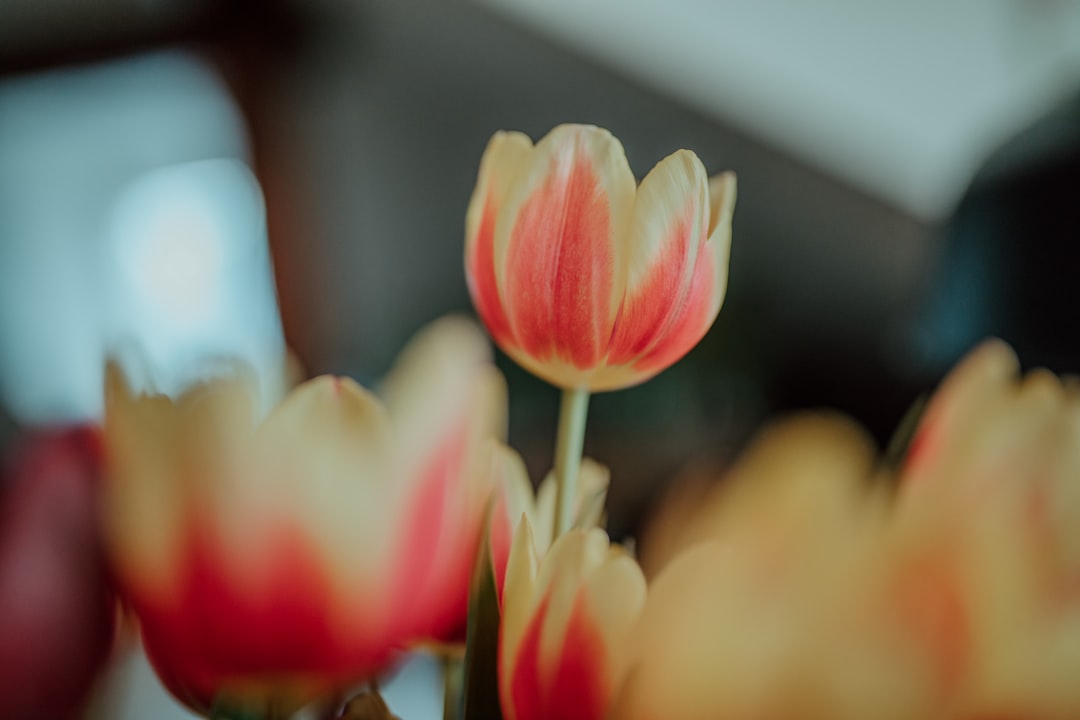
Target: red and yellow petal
x=654, y=337
x=566, y=626
x=319, y=460
x=299, y=640
x=967, y=394
x=557, y=239
x=668, y=229
x=513, y=498
x=693, y=317
x=506, y=154
x=571, y=686
x=163, y=453
x=276, y=561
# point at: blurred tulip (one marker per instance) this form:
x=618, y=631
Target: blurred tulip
x=566, y=624
x=989, y=514
x=273, y=560
x=769, y=594
x=56, y=611
x=796, y=471
x=726, y=635
x=515, y=497
x=583, y=279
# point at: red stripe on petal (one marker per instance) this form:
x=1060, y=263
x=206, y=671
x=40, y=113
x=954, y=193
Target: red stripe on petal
x=650, y=307
x=577, y=688
x=690, y=320
x=219, y=628
x=526, y=699
x=932, y=609
x=481, y=277
x=438, y=544
x=560, y=267
x=580, y=690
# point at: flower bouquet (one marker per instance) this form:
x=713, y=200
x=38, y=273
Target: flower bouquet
x=282, y=555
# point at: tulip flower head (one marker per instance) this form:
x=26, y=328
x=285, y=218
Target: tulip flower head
x=272, y=560
x=804, y=587
x=566, y=624
x=768, y=594
x=989, y=504
x=585, y=279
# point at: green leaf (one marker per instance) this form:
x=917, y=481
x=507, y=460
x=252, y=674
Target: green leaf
x=482, y=644
x=223, y=709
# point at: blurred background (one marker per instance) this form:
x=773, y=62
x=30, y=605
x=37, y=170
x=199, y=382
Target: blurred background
x=908, y=177
x=193, y=179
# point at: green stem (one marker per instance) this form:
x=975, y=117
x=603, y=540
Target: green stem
x=453, y=672
x=568, y=444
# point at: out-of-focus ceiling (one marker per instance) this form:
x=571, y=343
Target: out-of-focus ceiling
x=904, y=99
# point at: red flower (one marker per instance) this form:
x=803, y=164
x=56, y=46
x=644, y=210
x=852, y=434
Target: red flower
x=987, y=516
x=565, y=626
x=272, y=561
x=583, y=278
x=56, y=611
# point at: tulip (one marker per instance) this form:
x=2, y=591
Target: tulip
x=273, y=560
x=584, y=279
x=56, y=609
x=566, y=623
x=988, y=507
x=515, y=498
x=769, y=596
x=799, y=589
x=726, y=635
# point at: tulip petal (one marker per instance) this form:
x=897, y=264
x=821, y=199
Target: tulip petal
x=592, y=487
x=567, y=660
x=571, y=558
x=162, y=454
x=557, y=239
x=707, y=286
x=575, y=687
x=506, y=154
x=985, y=430
x=670, y=220
x=442, y=378
x=514, y=498
x=591, y=491
x=447, y=403
x=967, y=395
x=614, y=596
x=523, y=695
x=321, y=460
x=518, y=601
